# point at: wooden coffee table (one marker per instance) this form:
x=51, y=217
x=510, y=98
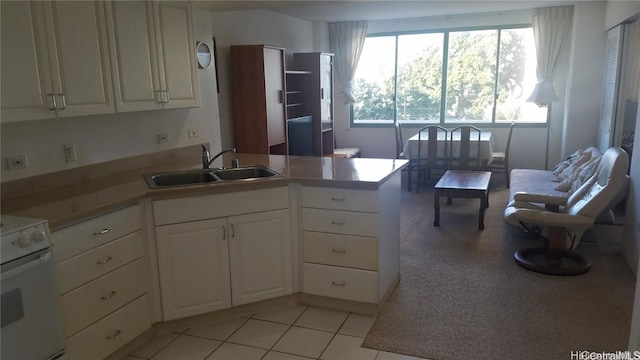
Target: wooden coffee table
x=463, y=184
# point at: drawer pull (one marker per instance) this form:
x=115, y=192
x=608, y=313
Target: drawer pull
x=101, y=232
x=102, y=262
x=338, y=283
x=339, y=251
x=337, y=222
x=114, y=335
x=337, y=198
x=107, y=297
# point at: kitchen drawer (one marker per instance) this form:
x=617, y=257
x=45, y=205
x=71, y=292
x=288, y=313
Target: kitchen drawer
x=219, y=205
x=340, y=222
x=87, y=266
x=111, y=333
x=90, y=302
x=340, y=199
x=342, y=283
x=342, y=250
x=89, y=234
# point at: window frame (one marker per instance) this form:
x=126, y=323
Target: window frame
x=445, y=63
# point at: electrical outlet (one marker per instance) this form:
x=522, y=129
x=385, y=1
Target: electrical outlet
x=17, y=162
x=163, y=138
x=70, y=152
x=193, y=133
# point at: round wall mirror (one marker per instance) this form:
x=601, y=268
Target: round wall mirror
x=203, y=55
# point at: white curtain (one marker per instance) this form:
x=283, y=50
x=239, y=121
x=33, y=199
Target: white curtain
x=347, y=40
x=633, y=82
x=551, y=27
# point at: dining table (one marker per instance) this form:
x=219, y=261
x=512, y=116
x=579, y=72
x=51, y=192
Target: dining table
x=486, y=152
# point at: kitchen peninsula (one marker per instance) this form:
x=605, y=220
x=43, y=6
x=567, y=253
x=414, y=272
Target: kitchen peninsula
x=326, y=233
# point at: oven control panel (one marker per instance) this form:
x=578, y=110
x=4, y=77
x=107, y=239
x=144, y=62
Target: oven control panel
x=22, y=236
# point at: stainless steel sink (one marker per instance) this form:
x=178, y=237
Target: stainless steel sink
x=180, y=178
x=244, y=173
x=198, y=177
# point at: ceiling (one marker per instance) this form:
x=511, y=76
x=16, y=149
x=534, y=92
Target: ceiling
x=336, y=11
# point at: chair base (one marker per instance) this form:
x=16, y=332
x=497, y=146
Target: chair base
x=541, y=260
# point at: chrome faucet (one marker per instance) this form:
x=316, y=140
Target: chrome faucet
x=206, y=162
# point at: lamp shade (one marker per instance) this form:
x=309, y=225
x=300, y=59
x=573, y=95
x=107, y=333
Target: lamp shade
x=543, y=94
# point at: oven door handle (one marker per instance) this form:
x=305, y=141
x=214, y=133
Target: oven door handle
x=43, y=258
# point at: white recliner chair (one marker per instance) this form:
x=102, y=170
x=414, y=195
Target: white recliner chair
x=562, y=230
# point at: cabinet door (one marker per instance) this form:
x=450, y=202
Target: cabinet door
x=24, y=74
x=274, y=93
x=326, y=90
x=134, y=55
x=177, y=55
x=193, y=264
x=77, y=40
x=260, y=253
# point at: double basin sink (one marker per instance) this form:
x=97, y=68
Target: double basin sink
x=206, y=176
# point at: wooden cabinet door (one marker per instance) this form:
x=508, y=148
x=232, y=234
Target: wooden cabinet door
x=260, y=253
x=274, y=94
x=134, y=55
x=79, y=57
x=177, y=55
x=25, y=75
x=193, y=262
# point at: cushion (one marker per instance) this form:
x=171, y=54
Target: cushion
x=585, y=171
x=569, y=170
x=579, y=176
x=566, y=162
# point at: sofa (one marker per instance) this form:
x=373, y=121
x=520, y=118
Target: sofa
x=554, y=187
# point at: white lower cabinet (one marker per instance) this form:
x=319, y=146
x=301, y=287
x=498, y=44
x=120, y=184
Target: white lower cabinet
x=102, y=281
x=350, y=240
x=193, y=262
x=211, y=264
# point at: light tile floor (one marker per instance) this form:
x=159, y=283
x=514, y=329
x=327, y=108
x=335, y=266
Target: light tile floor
x=295, y=333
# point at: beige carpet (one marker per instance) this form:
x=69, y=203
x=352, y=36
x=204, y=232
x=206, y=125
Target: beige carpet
x=461, y=295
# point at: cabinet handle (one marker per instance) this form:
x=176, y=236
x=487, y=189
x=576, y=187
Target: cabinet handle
x=107, y=297
x=53, y=102
x=338, y=222
x=64, y=101
x=101, y=232
x=339, y=251
x=321, y=93
x=102, y=262
x=114, y=335
x=233, y=231
x=281, y=96
x=159, y=97
x=224, y=232
x=337, y=198
x=338, y=283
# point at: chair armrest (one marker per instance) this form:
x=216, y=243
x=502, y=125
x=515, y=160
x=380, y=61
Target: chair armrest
x=546, y=199
x=549, y=218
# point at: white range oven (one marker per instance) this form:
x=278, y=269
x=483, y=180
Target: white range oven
x=31, y=324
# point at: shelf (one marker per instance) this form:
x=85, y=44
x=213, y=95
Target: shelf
x=297, y=72
x=294, y=92
x=293, y=105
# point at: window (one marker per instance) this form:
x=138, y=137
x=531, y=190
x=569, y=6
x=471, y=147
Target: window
x=480, y=76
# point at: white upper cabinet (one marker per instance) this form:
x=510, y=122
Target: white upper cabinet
x=153, y=52
x=55, y=60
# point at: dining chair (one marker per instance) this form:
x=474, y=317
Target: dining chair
x=399, y=141
x=500, y=162
x=432, y=152
x=468, y=156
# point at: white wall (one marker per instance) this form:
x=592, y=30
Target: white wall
x=108, y=137
x=253, y=27
x=618, y=11
x=585, y=80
